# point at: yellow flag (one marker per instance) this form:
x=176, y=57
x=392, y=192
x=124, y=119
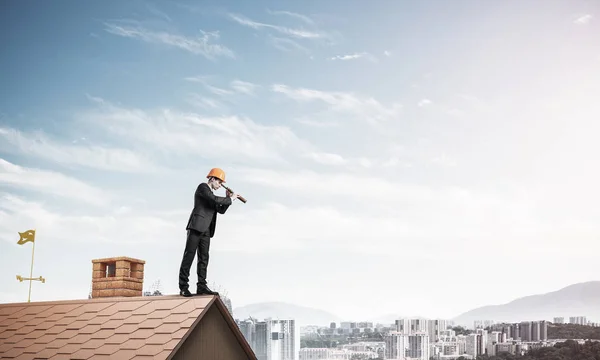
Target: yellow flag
x=26, y=236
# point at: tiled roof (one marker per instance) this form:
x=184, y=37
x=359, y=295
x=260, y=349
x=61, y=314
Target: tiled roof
x=148, y=327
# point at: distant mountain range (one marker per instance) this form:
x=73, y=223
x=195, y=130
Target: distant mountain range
x=581, y=299
x=302, y=314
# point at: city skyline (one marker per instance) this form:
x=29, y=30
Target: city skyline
x=411, y=338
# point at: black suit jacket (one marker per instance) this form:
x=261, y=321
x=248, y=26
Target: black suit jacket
x=206, y=206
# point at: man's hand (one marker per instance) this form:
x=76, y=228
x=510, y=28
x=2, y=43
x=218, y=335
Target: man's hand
x=232, y=195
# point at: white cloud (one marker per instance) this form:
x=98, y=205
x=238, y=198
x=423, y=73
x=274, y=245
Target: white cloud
x=387, y=53
x=455, y=112
x=203, y=79
x=365, y=162
x=218, y=91
x=397, y=210
x=244, y=87
x=91, y=156
x=51, y=183
x=285, y=41
x=203, y=102
x=444, y=160
x=177, y=133
x=121, y=227
x=270, y=228
x=287, y=45
x=297, y=33
x=343, y=102
x=304, y=18
x=460, y=217
x=260, y=229
x=202, y=45
x=443, y=218
x=424, y=102
x=327, y=158
x=349, y=163
x=237, y=86
x=354, y=57
x=584, y=19
x=336, y=183
x=315, y=123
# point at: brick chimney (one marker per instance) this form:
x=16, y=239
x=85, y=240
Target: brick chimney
x=117, y=276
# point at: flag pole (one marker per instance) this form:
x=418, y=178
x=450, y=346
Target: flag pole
x=26, y=237
x=31, y=270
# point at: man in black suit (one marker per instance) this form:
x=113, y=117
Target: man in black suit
x=201, y=228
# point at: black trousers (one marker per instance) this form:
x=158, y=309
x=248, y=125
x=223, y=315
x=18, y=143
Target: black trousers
x=196, y=242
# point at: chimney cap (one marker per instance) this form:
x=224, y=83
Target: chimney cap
x=118, y=258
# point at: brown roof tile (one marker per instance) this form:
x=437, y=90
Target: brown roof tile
x=46, y=353
x=126, y=329
x=104, y=328
x=57, y=344
x=142, y=333
x=107, y=349
x=159, y=339
x=12, y=353
x=166, y=328
x=92, y=344
x=83, y=354
x=115, y=339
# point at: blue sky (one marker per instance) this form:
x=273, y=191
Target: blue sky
x=396, y=156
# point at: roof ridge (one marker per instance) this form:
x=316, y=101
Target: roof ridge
x=103, y=299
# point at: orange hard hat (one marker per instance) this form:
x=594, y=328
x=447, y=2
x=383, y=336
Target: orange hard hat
x=218, y=173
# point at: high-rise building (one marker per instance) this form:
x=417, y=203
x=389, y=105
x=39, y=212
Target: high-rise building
x=418, y=346
x=411, y=326
x=261, y=340
x=493, y=338
x=435, y=328
x=515, y=332
x=403, y=346
x=559, y=320
x=471, y=345
x=482, y=339
x=543, y=330
x=273, y=339
x=482, y=324
x=451, y=349
x=535, y=331
x=579, y=320
x=248, y=329
x=507, y=331
x=403, y=326
x=525, y=330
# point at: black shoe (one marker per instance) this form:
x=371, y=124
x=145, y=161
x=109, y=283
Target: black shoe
x=206, y=291
x=185, y=293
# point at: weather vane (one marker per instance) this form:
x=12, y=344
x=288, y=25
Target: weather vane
x=26, y=237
